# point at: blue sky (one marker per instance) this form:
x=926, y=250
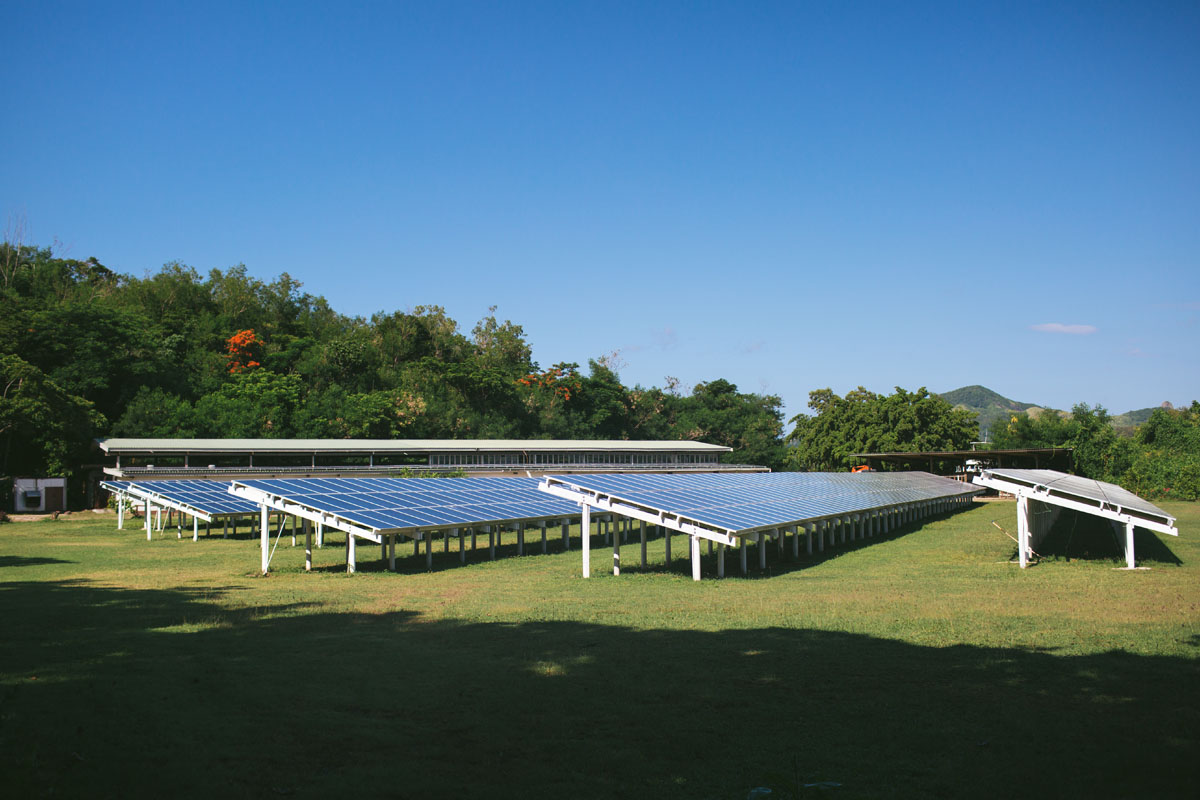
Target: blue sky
x=790, y=196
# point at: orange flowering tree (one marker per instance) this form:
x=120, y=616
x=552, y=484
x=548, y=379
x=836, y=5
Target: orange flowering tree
x=243, y=351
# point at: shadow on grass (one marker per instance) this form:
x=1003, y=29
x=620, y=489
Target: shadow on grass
x=138, y=693
x=29, y=561
x=1087, y=537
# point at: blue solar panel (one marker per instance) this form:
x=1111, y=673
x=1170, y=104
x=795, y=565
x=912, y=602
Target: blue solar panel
x=209, y=497
x=389, y=504
x=737, y=502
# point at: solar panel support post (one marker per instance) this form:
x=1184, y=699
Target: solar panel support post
x=416, y=544
x=307, y=546
x=520, y=538
x=195, y=528
x=264, y=536
x=320, y=535
x=721, y=560
x=120, y=512
x=392, y=552
x=429, y=551
x=149, y=525
x=543, y=528
x=760, y=540
x=474, y=538
x=1130, y=562
x=1022, y=528
x=808, y=537
x=742, y=554
x=642, y=534
x=585, y=527
x=667, y=543
x=780, y=535
x=225, y=528
x=462, y=551
x=351, y=553
x=491, y=543
x=566, y=534
x=695, y=557
x=616, y=550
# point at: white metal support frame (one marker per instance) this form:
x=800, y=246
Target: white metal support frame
x=1033, y=497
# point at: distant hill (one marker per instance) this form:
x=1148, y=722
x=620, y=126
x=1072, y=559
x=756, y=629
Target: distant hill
x=992, y=407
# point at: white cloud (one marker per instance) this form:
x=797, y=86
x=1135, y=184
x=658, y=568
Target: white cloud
x=1058, y=327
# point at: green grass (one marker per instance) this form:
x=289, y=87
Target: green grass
x=918, y=665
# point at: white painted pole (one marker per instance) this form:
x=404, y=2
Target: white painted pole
x=351, y=553
x=695, y=558
x=120, y=512
x=293, y=527
x=808, y=537
x=462, y=542
x=1022, y=529
x=643, y=539
x=307, y=547
x=616, y=549
x=320, y=535
x=742, y=553
x=584, y=526
x=1129, y=556
x=195, y=528
x=264, y=536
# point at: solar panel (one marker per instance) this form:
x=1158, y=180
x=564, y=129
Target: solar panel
x=389, y=505
x=1108, y=494
x=206, y=496
x=742, y=502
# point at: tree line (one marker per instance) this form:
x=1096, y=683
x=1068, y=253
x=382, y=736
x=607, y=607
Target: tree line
x=1160, y=460
x=87, y=352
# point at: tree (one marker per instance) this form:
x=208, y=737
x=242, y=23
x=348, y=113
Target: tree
x=865, y=422
x=44, y=430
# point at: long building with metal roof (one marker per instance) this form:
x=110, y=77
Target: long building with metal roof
x=231, y=458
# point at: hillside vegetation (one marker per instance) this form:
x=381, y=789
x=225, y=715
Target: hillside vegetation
x=86, y=352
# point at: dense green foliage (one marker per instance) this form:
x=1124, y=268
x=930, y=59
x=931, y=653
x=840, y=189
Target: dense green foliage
x=865, y=422
x=86, y=352
x=1162, y=459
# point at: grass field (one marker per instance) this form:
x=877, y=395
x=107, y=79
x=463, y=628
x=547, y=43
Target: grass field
x=920, y=664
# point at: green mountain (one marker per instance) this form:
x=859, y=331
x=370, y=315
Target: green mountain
x=992, y=407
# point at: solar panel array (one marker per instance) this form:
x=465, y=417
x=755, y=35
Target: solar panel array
x=1087, y=488
x=752, y=501
x=209, y=497
x=397, y=504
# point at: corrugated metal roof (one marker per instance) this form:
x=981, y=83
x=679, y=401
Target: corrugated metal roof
x=180, y=446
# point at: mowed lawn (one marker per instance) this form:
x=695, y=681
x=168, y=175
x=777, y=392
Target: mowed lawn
x=920, y=664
